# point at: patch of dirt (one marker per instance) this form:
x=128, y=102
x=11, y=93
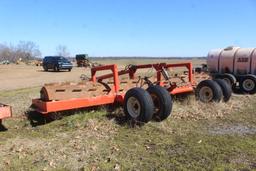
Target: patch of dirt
x=232, y=129
x=22, y=76
x=244, y=160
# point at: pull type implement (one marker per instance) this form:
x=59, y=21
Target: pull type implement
x=141, y=97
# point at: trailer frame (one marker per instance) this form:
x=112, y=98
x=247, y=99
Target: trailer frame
x=115, y=96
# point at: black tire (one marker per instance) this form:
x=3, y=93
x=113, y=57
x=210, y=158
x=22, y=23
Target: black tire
x=45, y=69
x=162, y=102
x=226, y=89
x=138, y=105
x=208, y=91
x=56, y=68
x=69, y=70
x=229, y=78
x=248, y=84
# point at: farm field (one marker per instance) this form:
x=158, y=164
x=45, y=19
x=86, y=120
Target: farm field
x=22, y=76
x=197, y=136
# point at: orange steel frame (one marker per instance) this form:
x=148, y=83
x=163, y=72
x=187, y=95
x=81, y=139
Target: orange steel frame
x=114, y=96
x=5, y=112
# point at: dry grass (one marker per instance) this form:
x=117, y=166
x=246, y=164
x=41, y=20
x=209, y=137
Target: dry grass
x=90, y=140
x=93, y=140
x=196, y=110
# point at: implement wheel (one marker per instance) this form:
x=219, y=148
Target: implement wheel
x=138, y=105
x=248, y=84
x=226, y=89
x=208, y=91
x=162, y=102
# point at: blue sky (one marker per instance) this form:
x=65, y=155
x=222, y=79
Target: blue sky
x=130, y=27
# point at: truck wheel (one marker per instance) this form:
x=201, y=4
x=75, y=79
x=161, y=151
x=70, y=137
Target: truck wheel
x=226, y=89
x=138, y=105
x=56, y=69
x=248, y=84
x=162, y=102
x=208, y=91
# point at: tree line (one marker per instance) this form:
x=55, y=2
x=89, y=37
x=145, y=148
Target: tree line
x=25, y=51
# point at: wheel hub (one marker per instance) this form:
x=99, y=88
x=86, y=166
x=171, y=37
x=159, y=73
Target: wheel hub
x=206, y=94
x=248, y=84
x=133, y=107
x=156, y=102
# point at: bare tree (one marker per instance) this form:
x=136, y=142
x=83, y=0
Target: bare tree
x=25, y=50
x=4, y=52
x=28, y=50
x=62, y=50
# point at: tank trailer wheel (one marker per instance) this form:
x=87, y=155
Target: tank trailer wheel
x=162, y=102
x=226, y=89
x=229, y=78
x=228, y=81
x=208, y=91
x=248, y=84
x=138, y=105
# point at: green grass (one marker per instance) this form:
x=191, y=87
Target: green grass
x=90, y=140
x=183, y=149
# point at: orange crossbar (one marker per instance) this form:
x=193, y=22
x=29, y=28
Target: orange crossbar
x=76, y=103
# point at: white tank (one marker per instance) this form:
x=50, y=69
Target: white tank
x=234, y=60
x=253, y=66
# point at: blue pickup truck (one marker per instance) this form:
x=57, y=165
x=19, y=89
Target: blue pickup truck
x=56, y=63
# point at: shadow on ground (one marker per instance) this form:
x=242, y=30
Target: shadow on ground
x=2, y=127
x=112, y=113
x=41, y=70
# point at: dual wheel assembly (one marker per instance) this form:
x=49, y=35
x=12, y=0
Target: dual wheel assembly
x=213, y=91
x=156, y=102
x=145, y=105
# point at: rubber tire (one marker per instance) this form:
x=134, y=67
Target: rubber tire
x=146, y=103
x=164, y=99
x=226, y=89
x=56, y=69
x=230, y=77
x=45, y=68
x=245, y=78
x=217, y=92
x=69, y=70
